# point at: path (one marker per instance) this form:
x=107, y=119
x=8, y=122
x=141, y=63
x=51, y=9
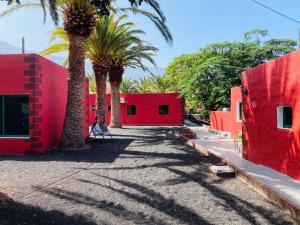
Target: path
x=142, y=176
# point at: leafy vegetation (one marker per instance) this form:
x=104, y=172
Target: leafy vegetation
x=205, y=78
x=151, y=84
x=128, y=86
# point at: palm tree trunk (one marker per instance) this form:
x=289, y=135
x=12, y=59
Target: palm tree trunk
x=73, y=130
x=115, y=79
x=115, y=119
x=100, y=77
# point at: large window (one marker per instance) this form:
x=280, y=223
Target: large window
x=14, y=116
x=131, y=110
x=163, y=109
x=284, y=117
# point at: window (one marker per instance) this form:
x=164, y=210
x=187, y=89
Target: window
x=284, y=117
x=14, y=116
x=131, y=110
x=163, y=110
x=239, y=112
x=109, y=108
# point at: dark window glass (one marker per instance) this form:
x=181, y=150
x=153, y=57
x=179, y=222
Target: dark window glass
x=1, y=115
x=163, y=110
x=131, y=110
x=109, y=108
x=16, y=115
x=287, y=117
x=240, y=111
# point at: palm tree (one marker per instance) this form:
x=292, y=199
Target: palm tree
x=132, y=56
x=60, y=35
x=79, y=17
x=128, y=86
x=159, y=84
x=142, y=85
x=109, y=37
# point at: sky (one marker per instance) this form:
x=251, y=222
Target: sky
x=194, y=24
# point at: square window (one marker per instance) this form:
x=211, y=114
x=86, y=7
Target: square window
x=163, y=110
x=284, y=117
x=239, y=112
x=14, y=115
x=131, y=110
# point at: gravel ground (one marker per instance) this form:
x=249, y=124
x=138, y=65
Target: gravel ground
x=141, y=176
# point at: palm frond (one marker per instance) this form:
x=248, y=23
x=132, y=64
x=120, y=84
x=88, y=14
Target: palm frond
x=14, y=8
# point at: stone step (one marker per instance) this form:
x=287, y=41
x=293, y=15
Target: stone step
x=222, y=171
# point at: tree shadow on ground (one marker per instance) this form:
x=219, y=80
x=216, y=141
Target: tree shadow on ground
x=175, y=162
x=15, y=213
x=168, y=206
x=226, y=199
x=187, y=156
x=100, y=151
x=151, y=198
x=114, y=208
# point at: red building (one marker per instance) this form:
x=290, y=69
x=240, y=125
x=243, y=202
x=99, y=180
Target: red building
x=146, y=109
x=271, y=114
x=33, y=95
x=229, y=121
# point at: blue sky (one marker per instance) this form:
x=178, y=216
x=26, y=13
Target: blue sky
x=193, y=24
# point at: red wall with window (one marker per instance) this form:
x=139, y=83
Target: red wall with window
x=228, y=121
x=147, y=109
x=45, y=84
x=266, y=87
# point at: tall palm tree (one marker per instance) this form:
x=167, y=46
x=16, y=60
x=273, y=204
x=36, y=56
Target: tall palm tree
x=79, y=17
x=132, y=56
x=111, y=35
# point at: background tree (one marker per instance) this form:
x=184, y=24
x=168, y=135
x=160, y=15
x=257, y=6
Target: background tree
x=92, y=83
x=131, y=56
x=159, y=84
x=128, y=86
x=110, y=36
x=142, y=85
x=205, y=78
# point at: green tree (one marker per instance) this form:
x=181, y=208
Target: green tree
x=128, y=86
x=142, y=85
x=206, y=77
x=159, y=84
x=92, y=83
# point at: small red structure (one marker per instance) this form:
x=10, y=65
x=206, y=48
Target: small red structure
x=146, y=109
x=33, y=95
x=230, y=121
x=271, y=114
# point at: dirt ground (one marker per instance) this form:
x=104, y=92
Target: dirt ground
x=141, y=176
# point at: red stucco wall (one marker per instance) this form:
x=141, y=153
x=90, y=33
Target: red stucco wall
x=12, y=80
x=227, y=121
x=46, y=84
x=147, y=109
x=265, y=87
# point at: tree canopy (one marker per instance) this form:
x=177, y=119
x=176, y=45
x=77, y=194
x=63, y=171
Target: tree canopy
x=206, y=77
